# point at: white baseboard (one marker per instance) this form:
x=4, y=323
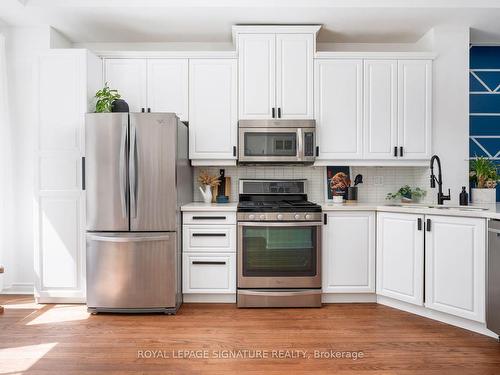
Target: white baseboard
x=209, y=298
x=437, y=315
x=64, y=300
x=20, y=288
x=349, y=298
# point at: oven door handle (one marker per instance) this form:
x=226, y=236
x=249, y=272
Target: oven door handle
x=291, y=293
x=280, y=223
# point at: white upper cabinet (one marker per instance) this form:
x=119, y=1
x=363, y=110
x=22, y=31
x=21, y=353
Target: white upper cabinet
x=338, y=108
x=397, y=109
x=378, y=110
x=129, y=77
x=380, y=135
x=455, y=266
x=167, y=86
x=294, y=75
x=276, y=75
x=414, y=108
x=157, y=85
x=400, y=257
x=348, y=255
x=213, y=117
x=257, y=76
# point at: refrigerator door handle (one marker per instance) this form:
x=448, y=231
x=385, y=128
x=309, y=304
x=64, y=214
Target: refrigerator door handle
x=133, y=173
x=95, y=237
x=122, y=172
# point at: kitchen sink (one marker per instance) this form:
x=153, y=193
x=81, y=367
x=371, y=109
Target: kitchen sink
x=460, y=208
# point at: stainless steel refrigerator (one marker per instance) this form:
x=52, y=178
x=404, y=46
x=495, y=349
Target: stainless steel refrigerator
x=137, y=175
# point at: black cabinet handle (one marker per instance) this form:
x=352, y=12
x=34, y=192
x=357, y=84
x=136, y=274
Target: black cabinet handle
x=317, y=151
x=234, y=150
x=419, y=224
x=209, y=234
x=428, y=225
x=273, y=112
x=209, y=218
x=83, y=172
x=201, y=262
x=142, y=110
x=325, y=219
x=279, y=112
x=401, y=151
x=395, y=151
x=149, y=110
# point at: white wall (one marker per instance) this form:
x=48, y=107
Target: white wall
x=22, y=48
x=451, y=105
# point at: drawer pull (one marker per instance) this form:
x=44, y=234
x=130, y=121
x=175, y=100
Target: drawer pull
x=205, y=262
x=209, y=234
x=209, y=218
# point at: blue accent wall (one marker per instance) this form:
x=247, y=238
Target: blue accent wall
x=484, y=97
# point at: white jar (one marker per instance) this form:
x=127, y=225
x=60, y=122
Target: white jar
x=484, y=195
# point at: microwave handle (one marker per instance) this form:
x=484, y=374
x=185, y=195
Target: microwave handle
x=300, y=148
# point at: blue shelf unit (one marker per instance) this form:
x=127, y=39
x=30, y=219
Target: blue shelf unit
x=484, y=99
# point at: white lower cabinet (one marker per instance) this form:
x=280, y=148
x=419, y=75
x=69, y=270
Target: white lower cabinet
x=400, y=257
x=455, y=266
x=349, y=252
x=209, y=255
x=209, y=273
x=453, y=250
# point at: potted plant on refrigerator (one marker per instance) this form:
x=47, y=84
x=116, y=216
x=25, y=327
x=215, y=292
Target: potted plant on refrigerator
x=108, y=100
x=483, y=175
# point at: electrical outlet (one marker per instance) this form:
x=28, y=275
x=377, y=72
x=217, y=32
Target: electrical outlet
x=378, y=180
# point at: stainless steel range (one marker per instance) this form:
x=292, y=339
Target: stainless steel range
x=279, y=245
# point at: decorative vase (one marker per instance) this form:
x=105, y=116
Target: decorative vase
x=207, y=193
x=119, y=105
x=484, y=195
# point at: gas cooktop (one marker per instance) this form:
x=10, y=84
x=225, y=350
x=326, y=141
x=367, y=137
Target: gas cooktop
x=278, y=206
x=276, y=200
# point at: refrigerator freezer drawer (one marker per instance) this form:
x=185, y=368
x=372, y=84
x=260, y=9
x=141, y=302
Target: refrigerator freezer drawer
x=131, y=271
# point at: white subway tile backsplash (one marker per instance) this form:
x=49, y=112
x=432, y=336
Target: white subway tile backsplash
x=377, y=181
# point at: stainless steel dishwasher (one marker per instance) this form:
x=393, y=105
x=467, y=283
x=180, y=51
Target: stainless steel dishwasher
x=493, y=277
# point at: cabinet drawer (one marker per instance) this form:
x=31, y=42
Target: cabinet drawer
x=209, y=273
x=212, y=238
x=209, y=217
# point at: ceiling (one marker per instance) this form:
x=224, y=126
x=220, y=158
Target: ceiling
x=344, y=21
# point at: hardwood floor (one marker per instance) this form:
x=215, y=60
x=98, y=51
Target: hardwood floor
x=64, y=339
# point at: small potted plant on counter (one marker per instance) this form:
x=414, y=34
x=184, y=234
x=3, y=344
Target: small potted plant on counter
x=407, y=194
x=483, y=175
x=207, y=182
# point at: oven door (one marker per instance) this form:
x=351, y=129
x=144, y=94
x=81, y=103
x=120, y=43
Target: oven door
x=279, y=255
x=270, y=145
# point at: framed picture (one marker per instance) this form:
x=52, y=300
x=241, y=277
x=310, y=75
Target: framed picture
x=335, y=172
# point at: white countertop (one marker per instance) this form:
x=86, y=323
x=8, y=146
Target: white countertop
x=491, y=211
x=200, y=206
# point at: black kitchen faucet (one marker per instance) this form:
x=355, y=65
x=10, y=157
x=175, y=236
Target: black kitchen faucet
x=439, y=179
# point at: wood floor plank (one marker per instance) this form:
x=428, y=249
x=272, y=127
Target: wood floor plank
x=65, y=339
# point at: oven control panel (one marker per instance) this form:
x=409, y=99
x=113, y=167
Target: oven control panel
x=279, y=216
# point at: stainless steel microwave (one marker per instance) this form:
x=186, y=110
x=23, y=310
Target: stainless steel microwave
x=276, y=141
